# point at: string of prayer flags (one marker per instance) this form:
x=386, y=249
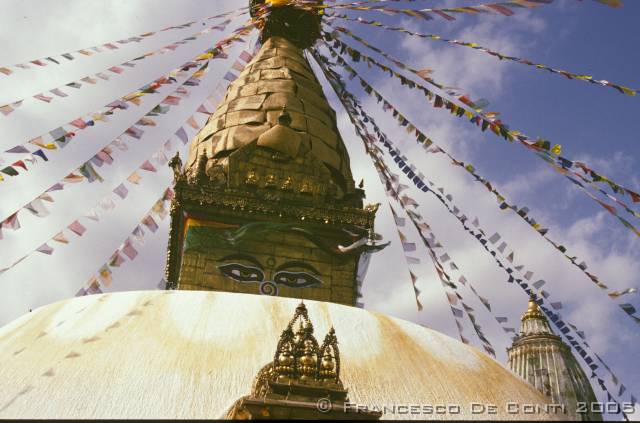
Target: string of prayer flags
x=481, y=237
x=565, y=328
x=87, y=172
x=431, y=147
x=556, y=318
x=447, y=200
x=63, y=135
x=611, y=3
x=504, y=8
x=422, y=226
x=127, y=249
x=8, y=108
x=425, y=74
x=392, y=192
x=111, y=45
x=543, y=149
x=89, y=51
x=106, y=204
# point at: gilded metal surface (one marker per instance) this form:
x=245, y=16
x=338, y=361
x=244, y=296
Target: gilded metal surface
x=533, y=311
x=278, y=77
x=243, y=204
x=190, y=355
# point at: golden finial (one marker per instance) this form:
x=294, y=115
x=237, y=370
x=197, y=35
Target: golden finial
x=533, y=310
x=329, y=367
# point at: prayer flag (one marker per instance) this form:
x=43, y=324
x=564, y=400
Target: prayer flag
x=128, y=250
x=116, y=259
x=43, y=97
x=77, y=228
x=58, y=92
x=45, y=249
x=134, y=132
x=17, y=149
x=90, y=173
x=59, y=237
x=11, y=222
x=192, y=123
x=171, y=100
x=148, y=166
x=78, y=123
x=182, y=134
x=134, y=178
x=121, y=191
x=105, y=275
x=6, y=109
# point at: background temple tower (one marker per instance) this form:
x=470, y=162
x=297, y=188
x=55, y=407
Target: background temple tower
x=542, y=359
x=266, y=202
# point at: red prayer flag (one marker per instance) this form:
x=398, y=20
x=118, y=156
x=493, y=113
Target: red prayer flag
x=21, y=164
x=148, y=166
x=12, y=222
x=78, y=123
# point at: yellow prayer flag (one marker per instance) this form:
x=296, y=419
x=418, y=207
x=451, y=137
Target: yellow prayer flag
x=277, y=3
x=134, y=178
x=205, y=56
x=629, y=91
x=39, y=143
x=557, y=149
x=131, y=96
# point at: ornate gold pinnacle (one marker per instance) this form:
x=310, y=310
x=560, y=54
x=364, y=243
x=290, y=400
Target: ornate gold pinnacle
x=302, y=373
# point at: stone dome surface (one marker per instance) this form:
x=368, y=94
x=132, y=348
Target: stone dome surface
x=192, y=354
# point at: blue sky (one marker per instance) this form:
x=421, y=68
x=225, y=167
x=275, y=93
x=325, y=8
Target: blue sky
x=594, y=124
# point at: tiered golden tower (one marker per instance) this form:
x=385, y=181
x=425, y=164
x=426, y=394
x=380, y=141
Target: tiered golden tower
x=266, y=202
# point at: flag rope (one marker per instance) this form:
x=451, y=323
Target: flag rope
x=555, y=317
x=133, y=131
x=503, y=204
x=541, y=147
x=62, y=135
x=9, y=108
x=500, y=56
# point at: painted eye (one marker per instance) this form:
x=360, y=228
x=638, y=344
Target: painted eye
x=296, y=279
x=241, y=273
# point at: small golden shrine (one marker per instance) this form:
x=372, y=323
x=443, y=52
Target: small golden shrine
x=302, y=381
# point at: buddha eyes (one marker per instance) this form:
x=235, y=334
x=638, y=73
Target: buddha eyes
x=296, y=279
x=250, y=274
x=241, y=273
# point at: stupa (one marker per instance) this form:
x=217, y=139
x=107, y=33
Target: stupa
x=266, y=214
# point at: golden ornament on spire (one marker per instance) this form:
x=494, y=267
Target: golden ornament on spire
x=533, y=311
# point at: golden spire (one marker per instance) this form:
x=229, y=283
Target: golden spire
x=277, y=104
